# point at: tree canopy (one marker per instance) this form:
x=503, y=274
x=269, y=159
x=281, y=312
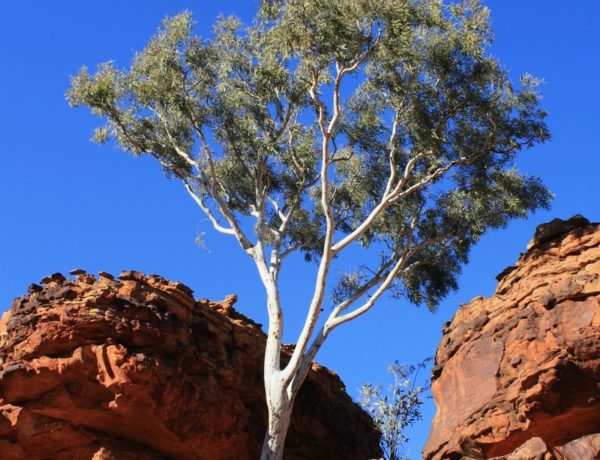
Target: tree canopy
x=247, y=107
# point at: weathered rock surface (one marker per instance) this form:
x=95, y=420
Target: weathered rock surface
x=517, y=375
x=135, y=368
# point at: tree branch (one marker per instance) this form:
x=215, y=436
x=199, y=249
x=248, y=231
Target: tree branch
x=334, y=320
x=222, y=206
x=323, y=271
x=208, y=212
x=383, y=204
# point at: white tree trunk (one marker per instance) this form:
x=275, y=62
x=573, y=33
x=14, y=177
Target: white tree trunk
x=279, y=408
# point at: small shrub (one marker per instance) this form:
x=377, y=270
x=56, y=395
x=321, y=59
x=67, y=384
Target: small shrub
x=397, y=408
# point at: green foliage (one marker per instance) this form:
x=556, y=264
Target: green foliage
x=236, y=118
x=397, y=408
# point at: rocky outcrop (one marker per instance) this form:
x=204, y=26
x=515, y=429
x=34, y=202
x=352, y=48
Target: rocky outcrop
x=517, y=375
x=135, y=368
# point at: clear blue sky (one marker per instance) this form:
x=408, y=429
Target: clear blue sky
x=67, y=203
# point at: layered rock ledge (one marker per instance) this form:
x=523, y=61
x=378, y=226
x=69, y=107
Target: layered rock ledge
x=517, y=375
x=135, y=368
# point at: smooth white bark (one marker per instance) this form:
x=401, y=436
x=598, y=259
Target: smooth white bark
x=279, y=412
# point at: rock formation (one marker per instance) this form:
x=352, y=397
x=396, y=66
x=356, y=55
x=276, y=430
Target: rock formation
x=517, y=375
x=135, y=368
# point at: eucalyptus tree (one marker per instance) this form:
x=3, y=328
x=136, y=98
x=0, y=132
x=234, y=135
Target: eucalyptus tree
x=326, y=125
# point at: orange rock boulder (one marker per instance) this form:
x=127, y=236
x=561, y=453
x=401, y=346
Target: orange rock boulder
x=517, y=375
x=135, y=368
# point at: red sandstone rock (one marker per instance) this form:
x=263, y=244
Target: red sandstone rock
x=136, y=368
x=518, y=375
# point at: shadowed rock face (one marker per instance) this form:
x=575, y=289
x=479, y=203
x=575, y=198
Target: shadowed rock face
x=135, y=368
x=517, y=375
